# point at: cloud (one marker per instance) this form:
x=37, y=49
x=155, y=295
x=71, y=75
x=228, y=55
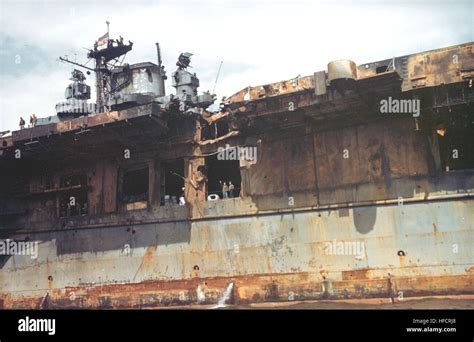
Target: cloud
x=258, y=41
x=32, y=95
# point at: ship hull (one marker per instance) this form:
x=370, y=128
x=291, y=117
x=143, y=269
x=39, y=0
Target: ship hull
x=393, y=251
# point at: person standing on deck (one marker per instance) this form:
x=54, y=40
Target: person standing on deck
x=231, y=189
x=225, y=189
x=35, y=119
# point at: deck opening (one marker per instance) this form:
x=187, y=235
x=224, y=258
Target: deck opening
x=134, y=184
x=73, y=198
x=223, y=177
x=381, y=69
x=215, y=130
x=172, y=181
x=456, y=142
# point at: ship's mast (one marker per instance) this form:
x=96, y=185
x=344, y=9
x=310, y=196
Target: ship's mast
x=114, y=49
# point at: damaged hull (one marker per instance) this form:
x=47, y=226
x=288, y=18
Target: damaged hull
x=408, y=251
x=343, y=200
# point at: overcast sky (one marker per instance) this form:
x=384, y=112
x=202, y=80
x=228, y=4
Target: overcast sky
x=258, y=41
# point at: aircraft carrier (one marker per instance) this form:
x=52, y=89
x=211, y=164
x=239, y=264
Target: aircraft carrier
x=353, y=182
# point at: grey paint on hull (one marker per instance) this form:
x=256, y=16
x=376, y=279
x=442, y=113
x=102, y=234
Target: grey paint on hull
x=436, y=238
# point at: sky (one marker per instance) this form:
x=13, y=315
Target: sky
x=258, y=41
